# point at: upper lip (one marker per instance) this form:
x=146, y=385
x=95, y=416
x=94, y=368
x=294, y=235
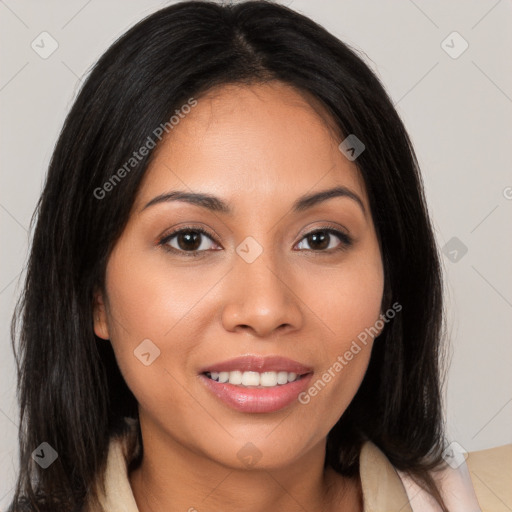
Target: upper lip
x=259, y=364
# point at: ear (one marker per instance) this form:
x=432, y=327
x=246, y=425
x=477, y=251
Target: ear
x=100, y=316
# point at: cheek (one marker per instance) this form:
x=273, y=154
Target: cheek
x=149, y=298
x=348, y=300
x=347, y=297
x=153, y=303
x=163, y=304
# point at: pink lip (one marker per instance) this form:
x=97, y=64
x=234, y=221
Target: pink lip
x=257, y=399
x=258, y=364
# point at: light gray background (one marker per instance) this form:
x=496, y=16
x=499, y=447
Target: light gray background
x=457, y=111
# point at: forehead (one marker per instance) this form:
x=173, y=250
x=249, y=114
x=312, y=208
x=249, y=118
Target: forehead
x=252, y=143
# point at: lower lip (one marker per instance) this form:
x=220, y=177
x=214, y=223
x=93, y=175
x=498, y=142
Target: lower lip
x=255, y=400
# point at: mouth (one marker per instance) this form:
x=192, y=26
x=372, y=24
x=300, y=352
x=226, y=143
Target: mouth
x=257, y=384
x=254, y=379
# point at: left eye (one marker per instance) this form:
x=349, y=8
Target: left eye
x=193, y=241
x=321, y=240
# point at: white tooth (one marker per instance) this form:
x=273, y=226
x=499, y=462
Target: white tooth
x=235, y=377
x=265, y=379
x=268, y=379
x=251, y=379
x=282, y=377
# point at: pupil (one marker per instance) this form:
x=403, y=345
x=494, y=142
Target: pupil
x=190, y=240
x=189, y=237
x=320, y=236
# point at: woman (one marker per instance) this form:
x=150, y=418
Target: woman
x=233, y=299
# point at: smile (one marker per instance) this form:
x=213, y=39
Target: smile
x=254, y=379
x=255, y=383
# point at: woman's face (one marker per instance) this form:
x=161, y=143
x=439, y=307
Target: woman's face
x=260, y=287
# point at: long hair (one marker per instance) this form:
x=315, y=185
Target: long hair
x=70, y=390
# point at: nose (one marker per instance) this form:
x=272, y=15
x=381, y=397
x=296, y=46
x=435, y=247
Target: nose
x=261, y=297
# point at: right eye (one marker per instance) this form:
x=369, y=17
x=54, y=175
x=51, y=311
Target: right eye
x=188, y=241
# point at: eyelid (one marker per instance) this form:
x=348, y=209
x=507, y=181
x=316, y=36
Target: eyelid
x=346, y=240
x=326, y=226
x=168, y=235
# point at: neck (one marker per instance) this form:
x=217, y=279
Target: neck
x=173, y=478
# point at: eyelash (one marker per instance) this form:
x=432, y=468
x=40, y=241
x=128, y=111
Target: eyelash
x=346, y=240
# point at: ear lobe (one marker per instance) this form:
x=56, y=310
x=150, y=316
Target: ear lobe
x=100, y=316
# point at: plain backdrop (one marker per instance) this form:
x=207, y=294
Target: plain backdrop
x=456, y=103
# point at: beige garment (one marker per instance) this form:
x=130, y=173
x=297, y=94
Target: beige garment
x=384, y=489
x=491, y=473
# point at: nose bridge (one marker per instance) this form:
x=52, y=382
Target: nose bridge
x=258, y=270
x=260, y=297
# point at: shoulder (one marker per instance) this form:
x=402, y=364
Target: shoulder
x=472, y=482
x=491, y=474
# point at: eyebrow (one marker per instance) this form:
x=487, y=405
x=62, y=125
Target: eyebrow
x=216, y=204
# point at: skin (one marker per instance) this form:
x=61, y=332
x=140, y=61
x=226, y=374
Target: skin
x=259, y=148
